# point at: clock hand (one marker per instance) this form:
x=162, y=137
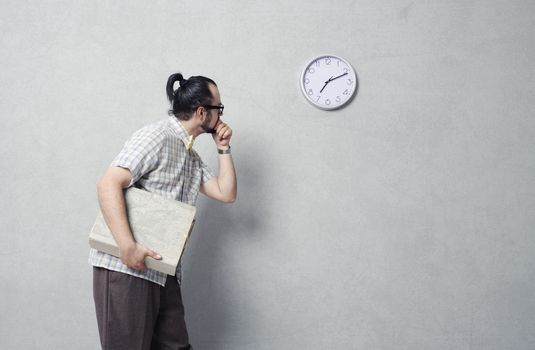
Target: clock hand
x=341, y=75
x=327, y=82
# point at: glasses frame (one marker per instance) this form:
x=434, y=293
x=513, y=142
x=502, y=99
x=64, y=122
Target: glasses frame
x=221, y=107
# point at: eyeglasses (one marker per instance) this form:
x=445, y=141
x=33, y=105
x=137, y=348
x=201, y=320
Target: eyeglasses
x=220, y=107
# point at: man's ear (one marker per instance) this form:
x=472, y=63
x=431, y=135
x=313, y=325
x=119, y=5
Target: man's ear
x=200, y=113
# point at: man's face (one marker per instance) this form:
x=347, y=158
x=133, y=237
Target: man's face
x=213, y=116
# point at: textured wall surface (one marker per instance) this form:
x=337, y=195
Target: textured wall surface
x=403, y=221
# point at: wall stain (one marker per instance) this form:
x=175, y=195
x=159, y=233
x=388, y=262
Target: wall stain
x=404, y=12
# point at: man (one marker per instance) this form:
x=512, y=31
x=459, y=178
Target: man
x=140, y=308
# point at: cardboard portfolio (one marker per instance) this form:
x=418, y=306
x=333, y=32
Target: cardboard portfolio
x=158, y=223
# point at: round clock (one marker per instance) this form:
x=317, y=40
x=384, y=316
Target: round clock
x=329, y=82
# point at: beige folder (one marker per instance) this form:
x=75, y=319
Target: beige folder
x=158, y=223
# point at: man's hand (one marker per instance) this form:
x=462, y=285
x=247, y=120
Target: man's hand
x=222, y=135
x=134, y=256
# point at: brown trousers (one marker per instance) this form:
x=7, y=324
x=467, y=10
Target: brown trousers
x=136, y=314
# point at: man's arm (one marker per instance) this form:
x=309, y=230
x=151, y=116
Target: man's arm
x=224, y=186
x=113, y=207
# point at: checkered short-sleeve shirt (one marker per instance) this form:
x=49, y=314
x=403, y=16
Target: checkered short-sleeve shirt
x=157, y=157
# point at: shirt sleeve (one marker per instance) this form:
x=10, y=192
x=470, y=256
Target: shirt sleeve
x=140, y=154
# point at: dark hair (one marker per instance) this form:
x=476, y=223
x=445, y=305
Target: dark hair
x=191, y=94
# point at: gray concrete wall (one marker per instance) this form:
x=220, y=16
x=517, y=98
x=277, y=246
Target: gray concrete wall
x=404, y=221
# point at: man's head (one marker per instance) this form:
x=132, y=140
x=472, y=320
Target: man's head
x=197, y=96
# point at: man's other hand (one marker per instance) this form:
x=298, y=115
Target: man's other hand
x=134, y=256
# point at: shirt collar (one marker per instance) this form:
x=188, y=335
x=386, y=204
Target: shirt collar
x=182, y=133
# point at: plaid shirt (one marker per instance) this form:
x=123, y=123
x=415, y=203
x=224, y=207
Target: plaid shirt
x=157, y=157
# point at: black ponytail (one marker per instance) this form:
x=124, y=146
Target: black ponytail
x=170, y=85
x=190, y=94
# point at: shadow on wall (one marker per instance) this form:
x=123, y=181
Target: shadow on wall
x=221, y=237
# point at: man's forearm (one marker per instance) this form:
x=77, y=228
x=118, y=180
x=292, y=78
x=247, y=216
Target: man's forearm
x=227, y=177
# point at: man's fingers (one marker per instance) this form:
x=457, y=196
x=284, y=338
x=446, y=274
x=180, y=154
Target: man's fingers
x=153, y=254
x=227, y=134
x=224, y=132
x=219, y=128
x=220, y=132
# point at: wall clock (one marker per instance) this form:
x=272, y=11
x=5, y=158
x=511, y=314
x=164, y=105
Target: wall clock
x=328, y=82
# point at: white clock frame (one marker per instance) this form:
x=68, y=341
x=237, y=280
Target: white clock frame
x=338, y=91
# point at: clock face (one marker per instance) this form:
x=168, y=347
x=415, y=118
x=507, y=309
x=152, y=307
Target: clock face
x=329, y=82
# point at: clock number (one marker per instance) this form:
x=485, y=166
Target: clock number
x=346, y=70
x=338, y=99
x=310, y=92
x=349, y=81
x=318, y=63
x=318, y=98
x=346, y=92
x=307, y=81
x=327, y=102
x=327, y=61
x=311, y=70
